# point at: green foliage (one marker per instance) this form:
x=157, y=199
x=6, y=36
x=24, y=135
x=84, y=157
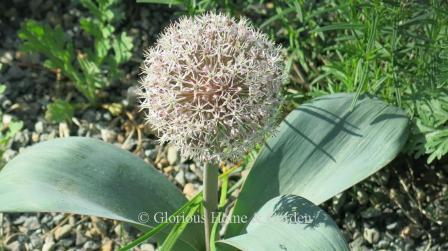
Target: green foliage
x=60, y=111
x=90, y=177
x=337, y=148
x=396, y=50
x=321, y=149
x=89, y=69
x=290, y=222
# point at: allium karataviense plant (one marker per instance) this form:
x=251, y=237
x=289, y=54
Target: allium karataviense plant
x=211, y=87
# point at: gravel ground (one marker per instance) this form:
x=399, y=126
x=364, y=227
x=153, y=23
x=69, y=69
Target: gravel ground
x=400, y=208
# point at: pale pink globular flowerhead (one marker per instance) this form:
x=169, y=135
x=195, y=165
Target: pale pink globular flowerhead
x=211, y=86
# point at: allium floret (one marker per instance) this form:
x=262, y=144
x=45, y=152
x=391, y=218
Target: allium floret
x=211, y=86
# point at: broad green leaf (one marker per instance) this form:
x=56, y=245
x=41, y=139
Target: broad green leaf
x=321, y=149
x=290, y=222
x=90, y=177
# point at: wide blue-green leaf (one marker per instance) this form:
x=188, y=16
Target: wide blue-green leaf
x=321, y=149
x=290, y=222
x=90, y=177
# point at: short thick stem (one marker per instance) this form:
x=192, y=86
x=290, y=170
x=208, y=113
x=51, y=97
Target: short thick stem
x=210, y=199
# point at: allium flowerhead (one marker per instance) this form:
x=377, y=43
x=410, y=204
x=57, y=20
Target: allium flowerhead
x=211, y=86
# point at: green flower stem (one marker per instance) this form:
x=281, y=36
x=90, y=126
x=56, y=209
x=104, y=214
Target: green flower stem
x=210, y=201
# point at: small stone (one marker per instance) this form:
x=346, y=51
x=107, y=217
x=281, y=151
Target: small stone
x=350, y=221
x=362, y=197
x=108, y=135
x=99, y=226
x=10, y=239
x=20, y=220
x=32, y=223
x=39, y=127
x=6, y=57
x=89, y=116
x=15, y=73
x=356, y=244
x=63, y=231
x=172, y=155
x=151, y=153
x=6, y=119
x=190, y=190
x=35, y=137
x=15, y=246
x=120, y=138
x=57, y=218
x=147, y=247
x=190, y=177
x=46, y=219
x=67, y=242
x=180, y=177
x=168, y=169
x=370, y=212
x=64, y=130
x=410, y=231
x=48, y=246
x=91, y=245
x=108, y=245
x=392, y=226
x=80, y=238
x=132, y=95
x=371, y=235
x=36, y=241
x=339, y=200
x=383, y=244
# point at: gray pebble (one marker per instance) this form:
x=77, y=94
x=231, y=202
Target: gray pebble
x=108, y=135
x=67, y=242
x=15, y=73
x=15, y=246
x=147, y=247
x=39, y=127
x=62, y=231
x=190, y=177
x=151, y=153
x=391, y=226
x=383, y=244
x=80, y=238
x=6, y=57
x=48, y=246
x=91, y=245
x=32, y=223
x=180, y=177
x=371, y=235
x=370, y=213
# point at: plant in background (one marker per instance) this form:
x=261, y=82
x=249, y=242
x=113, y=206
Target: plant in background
x=211, y=88
x=214, y=83
x=89, y=69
